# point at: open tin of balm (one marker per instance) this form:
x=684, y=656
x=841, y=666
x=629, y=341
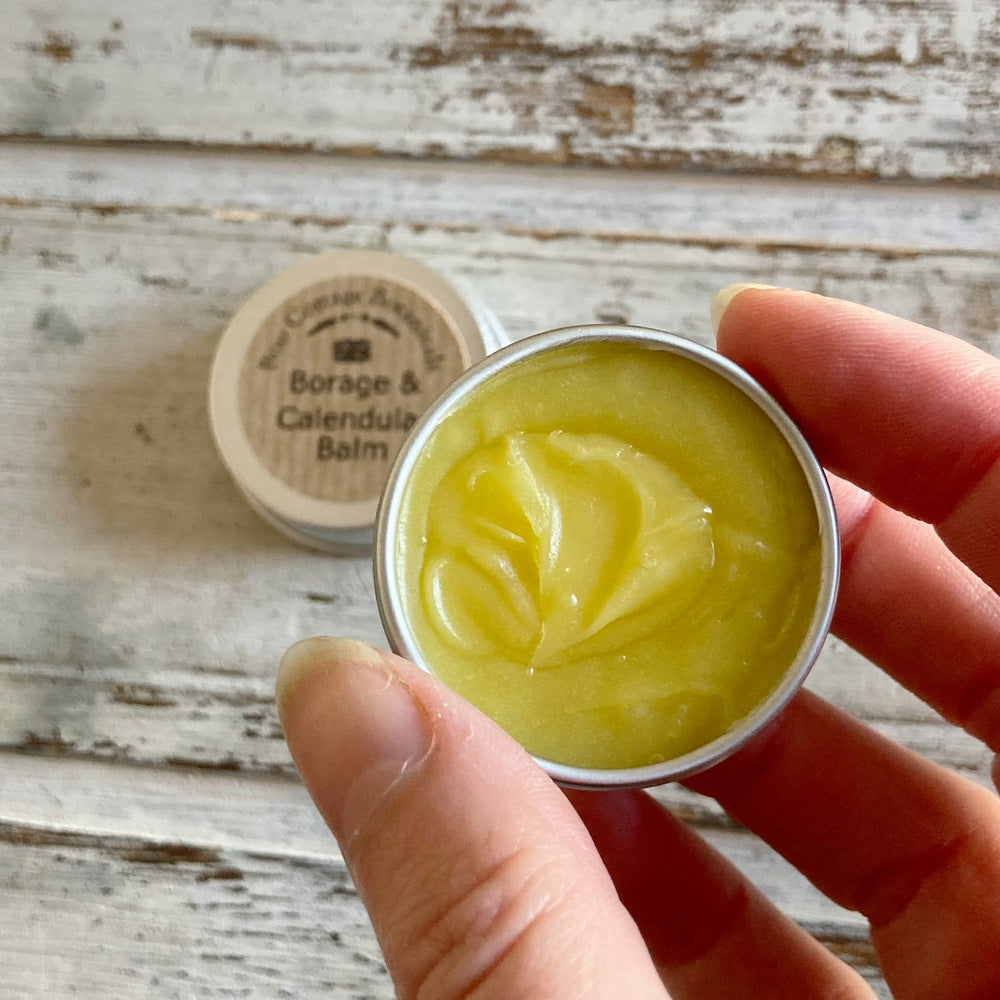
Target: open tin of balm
x=320, y=376
x=616, y=544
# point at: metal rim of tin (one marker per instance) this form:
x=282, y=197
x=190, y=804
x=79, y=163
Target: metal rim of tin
x=387, y=589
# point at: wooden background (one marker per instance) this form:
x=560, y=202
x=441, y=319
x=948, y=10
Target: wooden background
x=573, y=162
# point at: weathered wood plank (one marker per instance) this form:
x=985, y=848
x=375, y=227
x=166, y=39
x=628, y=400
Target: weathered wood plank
x=272, y=815
x=125, y=918
x=873, y=88
x=251, y=185
x=203, y=808
x=239, y=866
x=128, y=918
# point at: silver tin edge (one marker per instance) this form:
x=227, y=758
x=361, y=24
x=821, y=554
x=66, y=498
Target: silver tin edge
x=389, y=600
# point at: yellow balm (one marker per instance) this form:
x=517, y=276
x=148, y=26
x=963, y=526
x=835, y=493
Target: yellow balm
x=611, y=548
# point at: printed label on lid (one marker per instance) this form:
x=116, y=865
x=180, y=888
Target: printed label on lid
x=336, y=377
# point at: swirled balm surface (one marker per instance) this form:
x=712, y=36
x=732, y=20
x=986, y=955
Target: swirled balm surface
x=612, y=550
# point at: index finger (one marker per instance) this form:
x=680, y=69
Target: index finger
x=911, y=414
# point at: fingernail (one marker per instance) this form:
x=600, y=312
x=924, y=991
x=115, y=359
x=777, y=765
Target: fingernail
x=720, y=303
x=352, y=725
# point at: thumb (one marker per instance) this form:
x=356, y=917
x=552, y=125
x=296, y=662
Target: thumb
x=477, y=873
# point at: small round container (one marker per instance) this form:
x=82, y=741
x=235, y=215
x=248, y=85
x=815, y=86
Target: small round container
x=395, y=588
x=320, y=376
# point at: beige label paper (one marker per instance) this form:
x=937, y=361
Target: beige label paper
x=335, y=378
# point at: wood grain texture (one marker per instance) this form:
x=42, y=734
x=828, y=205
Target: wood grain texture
x=214, y=884
x=153, y=839
x=146, y=606
x=247, y=186
x=855, y=88
x=139, y=919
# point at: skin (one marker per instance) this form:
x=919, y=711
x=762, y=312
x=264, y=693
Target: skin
x=484, y=880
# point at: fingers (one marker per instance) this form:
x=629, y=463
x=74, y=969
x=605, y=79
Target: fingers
x=914, y=417
x=880, y=830
x=478, y=875
x=910, y=606
x=908, y=413
x=706, y=927
x=889, y=403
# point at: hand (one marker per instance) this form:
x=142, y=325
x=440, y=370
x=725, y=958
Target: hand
x=481, y=879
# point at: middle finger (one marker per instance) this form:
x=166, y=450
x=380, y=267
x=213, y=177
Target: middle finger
x=909, y=605
x=710, y=932
x=911, y=845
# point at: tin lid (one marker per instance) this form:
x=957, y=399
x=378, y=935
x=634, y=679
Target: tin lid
x=321, y=374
